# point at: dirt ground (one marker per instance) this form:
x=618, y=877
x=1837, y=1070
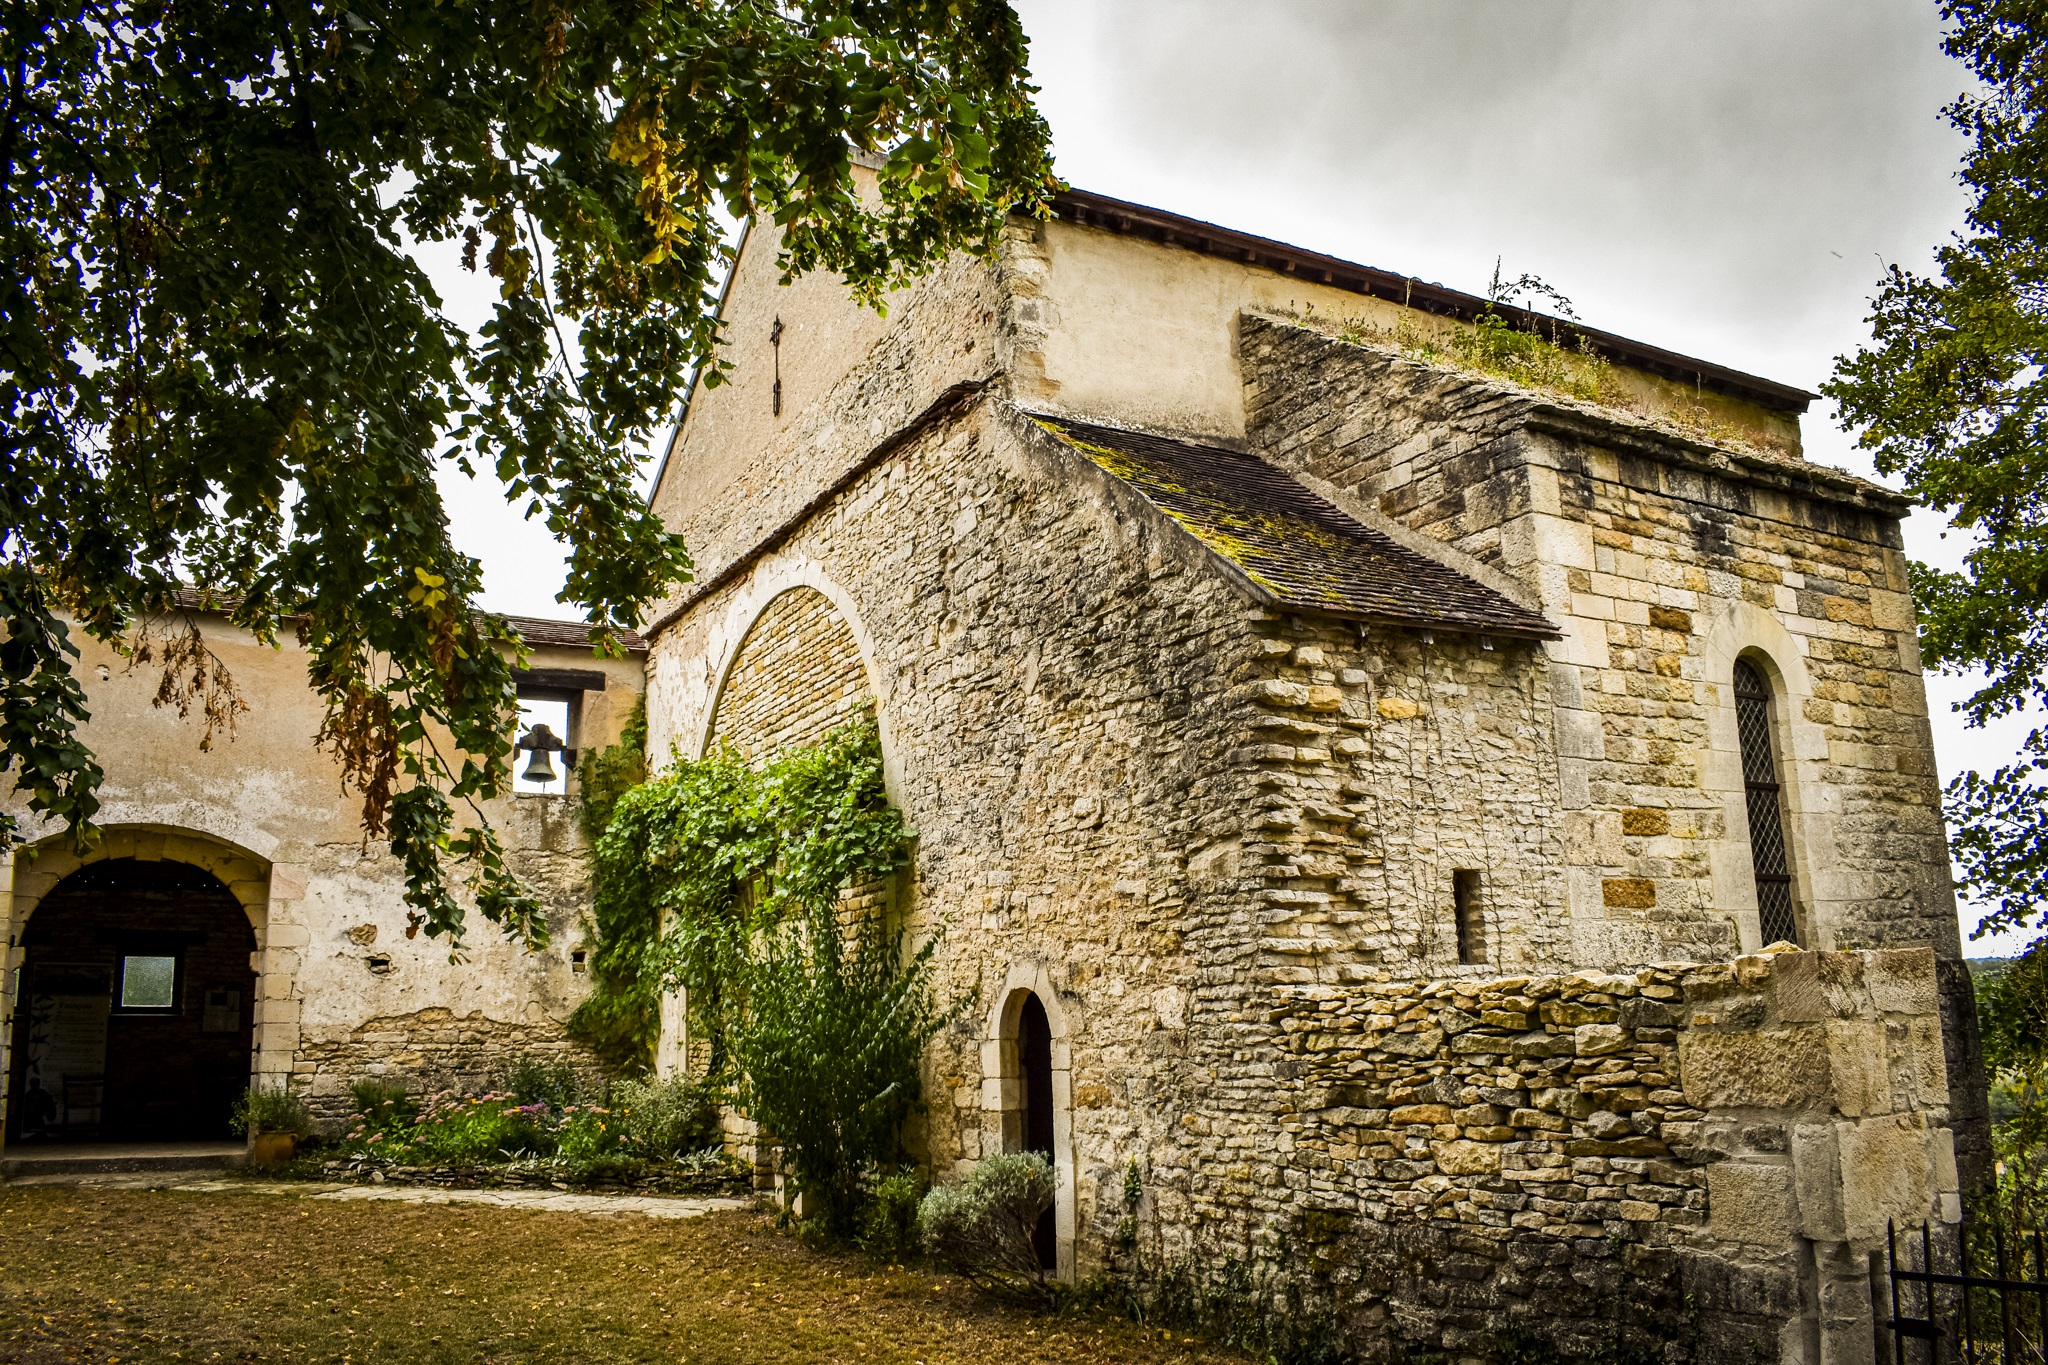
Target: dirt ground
x=145, y=1275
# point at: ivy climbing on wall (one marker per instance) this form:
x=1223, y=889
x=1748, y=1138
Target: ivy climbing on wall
x=692, y=866
x=728, y=881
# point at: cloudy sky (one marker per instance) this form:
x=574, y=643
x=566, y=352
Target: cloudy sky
x=1720, y=178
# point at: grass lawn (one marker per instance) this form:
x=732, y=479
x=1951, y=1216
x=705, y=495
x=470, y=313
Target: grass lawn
x=141, y=1275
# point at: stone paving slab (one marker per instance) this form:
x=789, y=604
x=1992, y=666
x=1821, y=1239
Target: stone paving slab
x=551, y=1201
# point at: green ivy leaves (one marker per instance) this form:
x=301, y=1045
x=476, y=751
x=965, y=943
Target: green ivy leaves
x=696, y=863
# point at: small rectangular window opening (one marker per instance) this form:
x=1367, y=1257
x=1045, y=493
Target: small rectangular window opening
x=1471, y=923
x=149, y=982
x=543, y=770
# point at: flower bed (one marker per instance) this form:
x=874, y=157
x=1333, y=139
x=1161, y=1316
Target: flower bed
x=543, y=1128
x=704, y=1173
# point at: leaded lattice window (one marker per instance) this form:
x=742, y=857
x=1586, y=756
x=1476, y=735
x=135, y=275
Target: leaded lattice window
x=1769, y=849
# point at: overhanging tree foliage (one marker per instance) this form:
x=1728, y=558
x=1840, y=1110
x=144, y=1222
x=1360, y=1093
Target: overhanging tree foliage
x=220, y=367
x=1953, y=394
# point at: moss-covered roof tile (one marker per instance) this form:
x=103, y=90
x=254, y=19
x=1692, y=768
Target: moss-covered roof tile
x=1291, y=543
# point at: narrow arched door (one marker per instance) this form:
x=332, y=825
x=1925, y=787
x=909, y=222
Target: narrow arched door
x=1034, y=1060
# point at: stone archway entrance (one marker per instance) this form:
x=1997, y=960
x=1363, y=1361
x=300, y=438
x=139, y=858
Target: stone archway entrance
x=135, y=1007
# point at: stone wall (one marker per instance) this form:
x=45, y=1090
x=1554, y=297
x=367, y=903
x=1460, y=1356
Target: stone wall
x=428, y=1051
x=1698, y=1156
x=797, y=674
x=1665, y=560
x=1382, y=764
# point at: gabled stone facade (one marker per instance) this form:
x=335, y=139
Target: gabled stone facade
x=1369, y=939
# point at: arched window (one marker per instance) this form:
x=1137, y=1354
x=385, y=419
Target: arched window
x=1770, y=849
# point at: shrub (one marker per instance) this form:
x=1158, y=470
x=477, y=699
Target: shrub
x=586, y=1133
x=983, y=1226
x=461, y=1131
x=544, y=1080
x=828, y=1048
x=382, y=1106
x=890, y=1229
x=667, y=1118
x=271, y=1110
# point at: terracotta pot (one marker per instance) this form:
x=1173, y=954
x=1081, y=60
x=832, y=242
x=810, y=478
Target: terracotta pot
x=271, y=1149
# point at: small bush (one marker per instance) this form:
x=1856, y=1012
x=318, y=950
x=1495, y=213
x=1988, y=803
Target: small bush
x=890, y=1230
x=983, y=1226
x=827, y=1051
x=271, y=1110
x=667, y=1118
x=457, y=1131
x=550, y=1081
x=382, y=1106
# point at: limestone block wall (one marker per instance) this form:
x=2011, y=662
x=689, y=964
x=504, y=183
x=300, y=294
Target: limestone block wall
x=1665, y=560
x=1695, y=1155
x=1383, y=765
x=1132, y=787
x=797, y=674
x=1050, y=674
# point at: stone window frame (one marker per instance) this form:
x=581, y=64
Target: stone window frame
x=1746, y=631
x=267, y=892
x=1772, y=679
x=1002, y=1088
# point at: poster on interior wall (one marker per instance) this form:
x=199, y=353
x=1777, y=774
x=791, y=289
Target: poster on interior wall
x=66, y=1052
x=223, y=1012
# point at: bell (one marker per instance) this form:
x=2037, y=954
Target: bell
x=542, y=742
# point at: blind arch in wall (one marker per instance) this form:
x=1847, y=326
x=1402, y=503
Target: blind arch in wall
x=1770, y=848
x=797, y=674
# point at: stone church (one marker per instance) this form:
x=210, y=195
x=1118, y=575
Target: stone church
x=1373, y=801
x=1472, y=842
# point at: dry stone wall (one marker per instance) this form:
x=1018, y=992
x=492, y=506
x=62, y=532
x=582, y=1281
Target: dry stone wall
x=1684, y=1157
x=429, y=1051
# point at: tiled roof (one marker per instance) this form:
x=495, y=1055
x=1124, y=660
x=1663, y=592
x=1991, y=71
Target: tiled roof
x=1297, y=547
x=568, y=634
x=533, y=629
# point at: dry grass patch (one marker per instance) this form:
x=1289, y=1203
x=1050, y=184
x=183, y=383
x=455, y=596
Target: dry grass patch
x=135, y=1275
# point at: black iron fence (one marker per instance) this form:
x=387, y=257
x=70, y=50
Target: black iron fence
x=1972, y=1293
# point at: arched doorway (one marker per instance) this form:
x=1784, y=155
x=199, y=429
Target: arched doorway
x=1028, y=1055
x=134, y=1009
x=1034, y=1065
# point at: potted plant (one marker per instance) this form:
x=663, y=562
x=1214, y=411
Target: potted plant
x=275, y=1119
